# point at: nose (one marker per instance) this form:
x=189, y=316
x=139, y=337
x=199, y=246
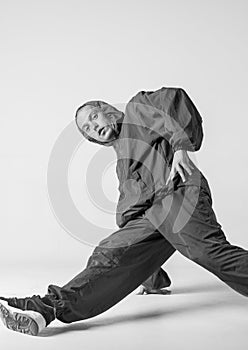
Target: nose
x=95, y=126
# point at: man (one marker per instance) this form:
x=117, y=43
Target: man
x=165, y=205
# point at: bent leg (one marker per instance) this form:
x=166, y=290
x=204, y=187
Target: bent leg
x=201, y=239
x=116, y=267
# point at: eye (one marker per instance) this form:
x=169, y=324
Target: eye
x=95, y=116
x=86, y=128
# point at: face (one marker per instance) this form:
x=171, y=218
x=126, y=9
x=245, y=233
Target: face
x=97, y=124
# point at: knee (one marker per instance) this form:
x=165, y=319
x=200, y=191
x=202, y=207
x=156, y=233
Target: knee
x=105, y=257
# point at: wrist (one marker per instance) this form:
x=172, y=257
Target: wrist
x=178, y=148
x=180, y=151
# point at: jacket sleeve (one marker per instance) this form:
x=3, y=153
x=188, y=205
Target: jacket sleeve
x=181, y=123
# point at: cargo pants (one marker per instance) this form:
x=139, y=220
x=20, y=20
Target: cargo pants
x=129, y=256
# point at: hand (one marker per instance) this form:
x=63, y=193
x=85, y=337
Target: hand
x=181, y=162
x=162, y=291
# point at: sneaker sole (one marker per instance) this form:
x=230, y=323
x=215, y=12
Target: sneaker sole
x=27, y=322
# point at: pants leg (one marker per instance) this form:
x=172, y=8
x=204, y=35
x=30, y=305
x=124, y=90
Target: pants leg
x=117, y=266
x=201, y=239
x=159, y=279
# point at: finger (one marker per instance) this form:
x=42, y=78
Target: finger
x=180, y=171
x=165, y=291
x=169, y=178
x=186, y=167
x=141, y=290
x=191, y=164
x=158, y=291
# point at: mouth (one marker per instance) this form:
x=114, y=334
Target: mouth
x=102, y=131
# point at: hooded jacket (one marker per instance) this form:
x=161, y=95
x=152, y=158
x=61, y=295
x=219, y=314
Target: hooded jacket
x=155, y=125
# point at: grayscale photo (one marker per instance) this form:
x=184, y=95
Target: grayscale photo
x=124, y=174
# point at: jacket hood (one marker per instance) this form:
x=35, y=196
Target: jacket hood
x=106, y=108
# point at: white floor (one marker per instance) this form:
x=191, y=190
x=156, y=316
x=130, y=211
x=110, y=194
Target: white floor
x=201, y=313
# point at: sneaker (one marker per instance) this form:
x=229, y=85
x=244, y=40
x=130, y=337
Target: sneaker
x=25, y=315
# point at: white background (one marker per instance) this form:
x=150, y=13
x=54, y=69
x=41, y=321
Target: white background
x=57, y=54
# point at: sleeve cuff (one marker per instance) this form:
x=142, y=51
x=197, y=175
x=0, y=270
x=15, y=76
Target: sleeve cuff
x=178, y=148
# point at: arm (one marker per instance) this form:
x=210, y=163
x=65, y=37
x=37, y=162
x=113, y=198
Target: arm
x=174, y=116
x=184, y=131
x=182, y=121
x=170, y=113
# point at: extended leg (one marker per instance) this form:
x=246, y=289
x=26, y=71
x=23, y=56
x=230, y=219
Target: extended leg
x=117, y=266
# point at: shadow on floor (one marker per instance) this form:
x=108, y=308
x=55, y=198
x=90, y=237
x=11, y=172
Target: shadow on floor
x=215, y=302
x=204, y=288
